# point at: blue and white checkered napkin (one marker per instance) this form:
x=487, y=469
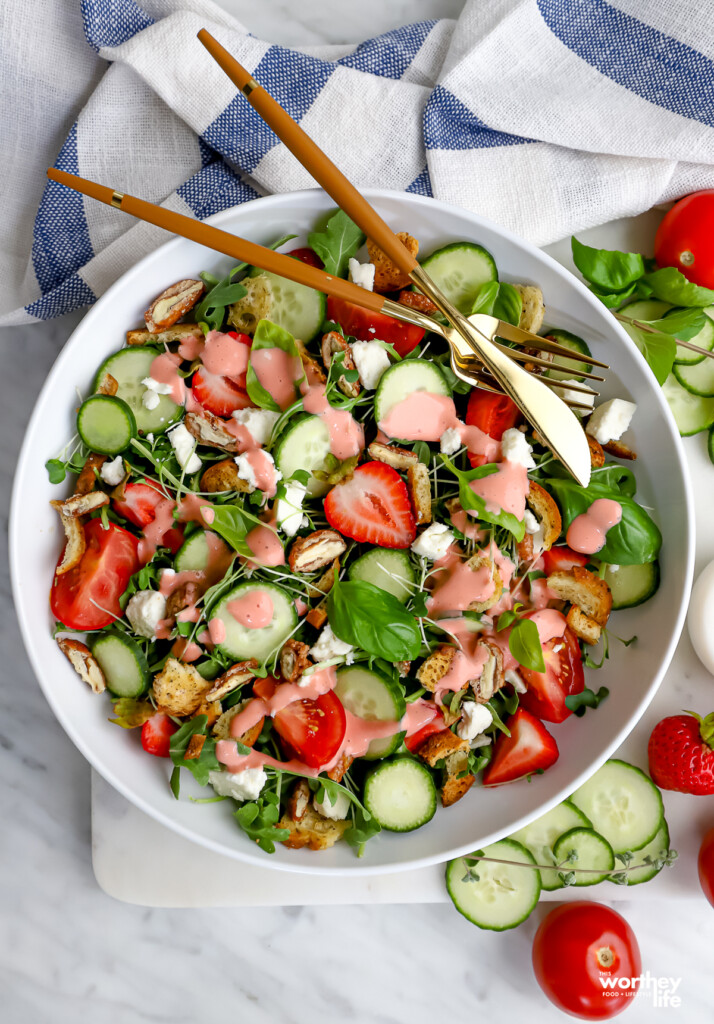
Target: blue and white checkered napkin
x=547, y=116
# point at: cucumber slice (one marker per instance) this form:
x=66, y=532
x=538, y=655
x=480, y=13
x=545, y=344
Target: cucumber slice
x=122, y=661
x=646, y=309
x=305, y=444
x=460, y=270
x=400, y=795
x=403, y=379
x=241, y=641
x=106, y=424
x=692, y=413
x=698, y=379
x=294, y=307
x=710, y=444
x=129, y=367
x=631, y=585
x=576, y=344
x=503, y=895
x=386, y=568
x=623, y=804
x=540, y=836
x=194, y=555
x=586, y=849
x=639, y=870
x=705, y=340
x=374, y=697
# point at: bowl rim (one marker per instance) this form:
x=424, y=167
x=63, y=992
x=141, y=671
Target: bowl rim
x=247, y=855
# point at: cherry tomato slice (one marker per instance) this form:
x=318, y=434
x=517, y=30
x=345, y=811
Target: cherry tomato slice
x=414, y=741
x=87, y=597
x=684, y=238
x=313, y=729
x=492, y=413
x=365, y=325
x=563, y=676
x=579, y=950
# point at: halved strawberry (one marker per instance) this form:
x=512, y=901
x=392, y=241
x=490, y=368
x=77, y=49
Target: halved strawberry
x=156, y=735
x=139, y=503
x=219, y=395
x=562, y=558
x=529, y=748
x=372, y=507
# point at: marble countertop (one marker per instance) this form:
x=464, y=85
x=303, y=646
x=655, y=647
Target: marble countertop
x=68, y=952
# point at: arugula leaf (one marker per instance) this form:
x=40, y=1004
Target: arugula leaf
x=366, y=616
x=608, y=269
x=259, y=819
x=474, y=502
x=578, y=703
x=525, y=646
x=337, y=243
x=363, y=828
x=269, y=335
x=206, y=761
x=670, y=285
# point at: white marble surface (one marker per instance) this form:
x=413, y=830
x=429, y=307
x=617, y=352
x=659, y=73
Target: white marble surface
x=69, y=953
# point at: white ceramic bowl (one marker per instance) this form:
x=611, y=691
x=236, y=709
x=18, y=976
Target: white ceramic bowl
x=632, y=674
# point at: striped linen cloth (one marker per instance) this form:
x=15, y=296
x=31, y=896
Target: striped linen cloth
x=546, y=116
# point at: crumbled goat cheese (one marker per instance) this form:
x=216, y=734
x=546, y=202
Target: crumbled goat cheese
x=183, y=444
x=258, y=422
x=245, y=470
x=289, y=512
x=154, y=388
x=330, y=646
x=371, y=361
x=144, y=611
x=337, y=811
x=244, y=785
x=568, y=395
x=450, y=441
x=434, y=542
x=362, y=274
x=475, y=719
x=610, y=420
x=515, y=448
x=112, y=473
x=516, y=680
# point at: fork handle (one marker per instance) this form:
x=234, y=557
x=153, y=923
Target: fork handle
x=311, y=156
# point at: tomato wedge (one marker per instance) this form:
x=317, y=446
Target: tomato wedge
x=529, y=748
x=414, y=741
x=563, y=676
x=365, y=325
x=492, y=413
x=313, y=730
x=87, y=597
x=562, y=558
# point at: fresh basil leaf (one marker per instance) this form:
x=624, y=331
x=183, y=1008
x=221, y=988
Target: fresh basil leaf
x=423, y=452
x=684, y=324
x=505, y=619
x=608, y=269
x=175, y=782
x=659, y=350
x=508, y=304
x=337, y=243
x=617, y=478
x=55, y=470
x=366, y=616
x=634, y=540
x=486, y=298
x=613, y=299
x=269, y=335
x=578, y=703
x=206, y=761
x=473, y=502
x=233, y=526
x=525, y=646
x=670, y=285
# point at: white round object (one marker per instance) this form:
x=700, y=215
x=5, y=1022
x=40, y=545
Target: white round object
x=700, y=618
x=632, y=674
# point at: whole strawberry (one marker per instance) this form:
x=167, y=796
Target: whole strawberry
x=681, y=754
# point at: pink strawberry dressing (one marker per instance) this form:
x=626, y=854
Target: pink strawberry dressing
x=191, y=347
x=225, y=355
x=164, y=369
x=254, y=610
x=266, y=546
x=456, y=586
x=264, y=471
x=278, y=372
x=588, y=532
x=346, y=434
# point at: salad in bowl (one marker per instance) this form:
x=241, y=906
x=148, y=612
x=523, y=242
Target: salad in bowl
x=321, y=574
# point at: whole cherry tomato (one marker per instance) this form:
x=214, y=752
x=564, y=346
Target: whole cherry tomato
x=684, y=238
x=581, y=953
x=706, y=865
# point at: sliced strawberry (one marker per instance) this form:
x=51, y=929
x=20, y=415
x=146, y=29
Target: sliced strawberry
x=308, y=256
x=562, y=558
x=372, y=507
x=139, y=504
x=156, y=735
x=530, y=747
x=219, y=395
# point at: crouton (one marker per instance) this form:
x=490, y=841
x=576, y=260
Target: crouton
x=338, y=772
x=173, y=303
x=323, y=586
x=584, y=589
x=223, y=476
x=597, y=454
x=179, y=688
x=313, y=371
x=81, y=504
x=475, y=564
x=318, y=549
x=493, y=675
x=387, y=275
x=195, y=746
x=446, y=746
x=87, y=479
x=544, y=508
x=108, y=385
x=313, y=831
x=222, y=727
x=619, y=450
x=165, y=337
x=532, y=308
x=441, y=745
x=211, y=709
x=254, y=306
x=238, y=674
x=418, y=301
x=332, y=343
x=294, y=659
x=419, y=488
x=454, y=787
x=435, y=667
x=398, y=458
x=209, y=430
x=84, y=663
x=298, y=801
x=583, y=626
